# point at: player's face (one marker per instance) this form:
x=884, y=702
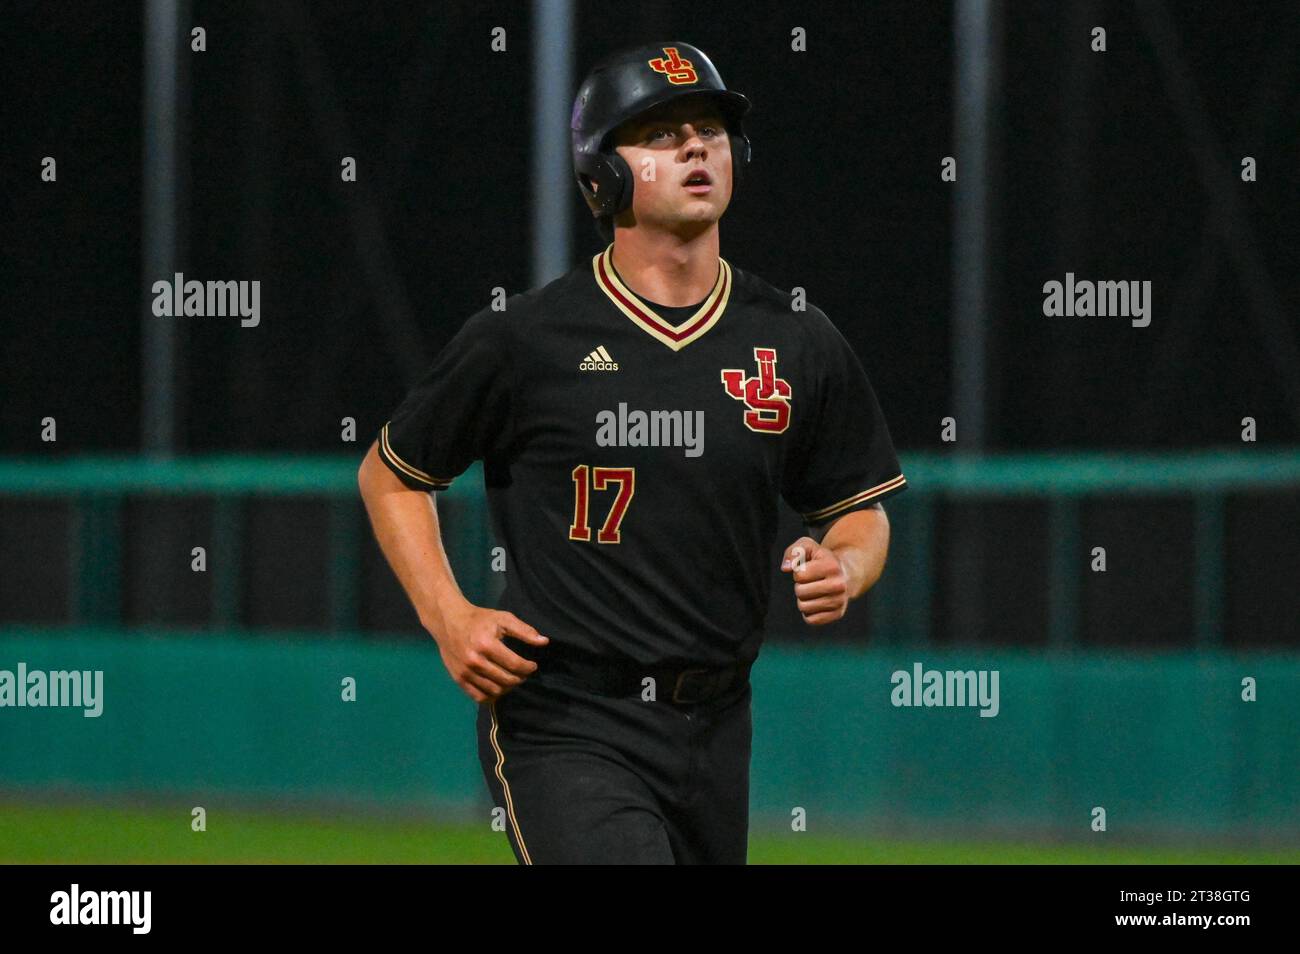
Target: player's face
x=667, y=150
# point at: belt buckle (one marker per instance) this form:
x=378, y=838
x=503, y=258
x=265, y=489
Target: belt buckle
x=678, y=696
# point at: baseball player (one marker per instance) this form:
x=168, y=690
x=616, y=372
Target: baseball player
x=637, y=419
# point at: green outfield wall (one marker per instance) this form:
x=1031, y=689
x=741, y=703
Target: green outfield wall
x=1165, y=744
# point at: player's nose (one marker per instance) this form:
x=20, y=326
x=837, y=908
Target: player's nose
x=694, y=145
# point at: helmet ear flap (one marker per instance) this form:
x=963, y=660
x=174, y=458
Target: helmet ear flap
x=741, y=154
x=610, y=172
x=622, y=196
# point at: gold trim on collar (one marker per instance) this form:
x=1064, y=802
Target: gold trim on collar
x=674, y=336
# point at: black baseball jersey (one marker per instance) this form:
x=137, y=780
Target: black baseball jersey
x=634, y=454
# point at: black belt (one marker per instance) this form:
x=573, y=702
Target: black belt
x=680, y=684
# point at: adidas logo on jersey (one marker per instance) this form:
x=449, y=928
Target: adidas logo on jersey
x=598, y=360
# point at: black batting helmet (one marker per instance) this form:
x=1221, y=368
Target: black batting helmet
x=626, y=84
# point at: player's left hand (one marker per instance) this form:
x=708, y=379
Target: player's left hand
x=821, y=589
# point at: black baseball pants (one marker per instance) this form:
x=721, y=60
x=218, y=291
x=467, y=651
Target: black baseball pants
x=585, y=778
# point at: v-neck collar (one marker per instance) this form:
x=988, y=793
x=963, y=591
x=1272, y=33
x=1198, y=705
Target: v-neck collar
x=674, y=336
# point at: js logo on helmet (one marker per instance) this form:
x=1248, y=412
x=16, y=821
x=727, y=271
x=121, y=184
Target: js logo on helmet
x=680, y=72
x=766, y=397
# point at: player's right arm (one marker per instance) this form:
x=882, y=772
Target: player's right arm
x=469, y=637
x=460, y=411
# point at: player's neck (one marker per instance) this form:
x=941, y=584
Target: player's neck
x=665, y=268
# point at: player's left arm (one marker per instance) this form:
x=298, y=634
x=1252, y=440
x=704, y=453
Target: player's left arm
x=846, y=563
x=841, y=467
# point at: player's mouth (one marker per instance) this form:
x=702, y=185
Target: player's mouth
x=698, y=182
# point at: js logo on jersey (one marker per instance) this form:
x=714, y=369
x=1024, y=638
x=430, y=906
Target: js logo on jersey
x=766, y=397
x=680, y=72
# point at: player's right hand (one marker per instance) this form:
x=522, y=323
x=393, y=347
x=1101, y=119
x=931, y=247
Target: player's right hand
x=478, y=659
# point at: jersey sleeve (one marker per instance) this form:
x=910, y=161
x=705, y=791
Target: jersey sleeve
x=844, y=459
x=459, y=412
